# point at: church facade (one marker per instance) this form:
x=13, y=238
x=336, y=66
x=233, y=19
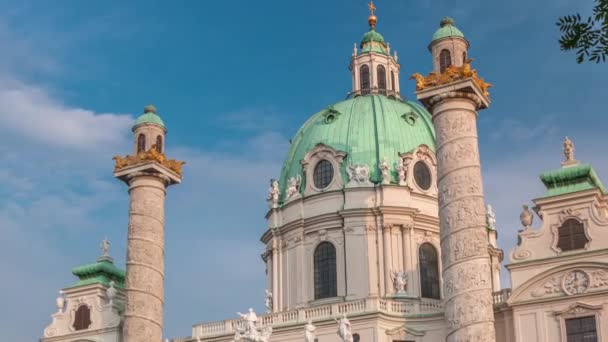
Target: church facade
x=377, y=228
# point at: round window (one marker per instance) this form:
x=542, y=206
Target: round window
x=323, y=174
x=422, y=175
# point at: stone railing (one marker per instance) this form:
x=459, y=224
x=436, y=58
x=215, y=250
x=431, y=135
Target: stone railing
x=500, y=297
x=321, y=312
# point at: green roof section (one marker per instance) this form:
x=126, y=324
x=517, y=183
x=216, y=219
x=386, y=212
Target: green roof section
x=368, y=128
x=373, y=41
x=149, y=117
x=447, y=30
x=571, y=179
x=101, y=272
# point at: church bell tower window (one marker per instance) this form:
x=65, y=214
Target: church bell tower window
x=159, y=144
x=445, y=60
x=571, y=235
x=82, y=319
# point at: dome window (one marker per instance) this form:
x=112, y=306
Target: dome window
x=323, y=174
x=422, y=175
x=141, y=143
x=445, y=60
x=381, y=71
x=364, y=79
x=410, y=118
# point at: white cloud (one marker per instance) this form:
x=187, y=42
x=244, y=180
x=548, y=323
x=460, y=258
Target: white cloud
x=30, y=113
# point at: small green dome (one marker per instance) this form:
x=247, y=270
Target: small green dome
x=150, y=117
x=447, y=29
x=372, y=35
x=368, y=128
x=101, y=272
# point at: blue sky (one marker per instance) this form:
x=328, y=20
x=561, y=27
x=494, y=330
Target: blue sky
x=233, y=81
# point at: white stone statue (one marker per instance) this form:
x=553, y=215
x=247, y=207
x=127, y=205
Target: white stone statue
x=293, y=186
x=344, y=329
x=358, y=175
x=568, y=151
x=268, y=300
x=105, y=247
x=111, y=293
x=250, y=320
x=60, y=301
x=399, y=281
x=309, y=332
x=251, y=333
x=386, y=175
x=401, y=169
x=490, y=217
x=526, y=217
x=273, y=194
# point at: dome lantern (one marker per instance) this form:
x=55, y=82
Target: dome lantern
x=448, y=46
x=373, y=69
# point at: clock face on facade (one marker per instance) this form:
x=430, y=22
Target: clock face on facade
x=575, y=282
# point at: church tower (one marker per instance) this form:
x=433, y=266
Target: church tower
x=148, y=174
x=453, y=94
x=374, y=70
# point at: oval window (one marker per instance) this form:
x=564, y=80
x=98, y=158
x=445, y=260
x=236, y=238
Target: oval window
x=323, y=174
x=422, y=175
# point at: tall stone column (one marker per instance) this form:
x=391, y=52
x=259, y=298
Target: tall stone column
x=147, y=177
x=467, y=283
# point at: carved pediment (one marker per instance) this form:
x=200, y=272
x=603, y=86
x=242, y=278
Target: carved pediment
x=404, y=332
x=578, y=309
x=564, y=281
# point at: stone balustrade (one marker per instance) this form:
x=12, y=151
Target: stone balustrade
x=500, y=297
x=321, y=312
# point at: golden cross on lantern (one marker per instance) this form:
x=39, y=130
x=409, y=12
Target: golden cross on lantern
x=371, y=7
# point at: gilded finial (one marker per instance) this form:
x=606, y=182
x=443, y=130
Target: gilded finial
x=372, y=19
x=446, y=21
x=150, y=109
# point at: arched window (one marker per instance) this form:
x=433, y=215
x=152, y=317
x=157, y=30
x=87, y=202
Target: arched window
x=325, y=271
x=429, y=271
x=141, y=143
x=82, y=319
x=381, y=71
x=159, y=144
x=445, y=60
x=571, y=235
x=393, y=81
x=464, y=57
x=364, y=79
x=356, y=338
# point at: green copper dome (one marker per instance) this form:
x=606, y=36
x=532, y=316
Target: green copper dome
x=372, y=35
x=368, y=128
x=447, y=30
x=149, y=117
x=373, y=41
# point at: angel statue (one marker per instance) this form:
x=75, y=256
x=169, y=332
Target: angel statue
x=293, y=186
x=344, y=329
x=568, y=150
x=273, y=194
x=309, y=332
x=490, y=217
x=399, y=281
x=268, y=300
x=386, y=178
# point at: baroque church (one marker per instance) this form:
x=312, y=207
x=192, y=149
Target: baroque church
x=377, y=228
